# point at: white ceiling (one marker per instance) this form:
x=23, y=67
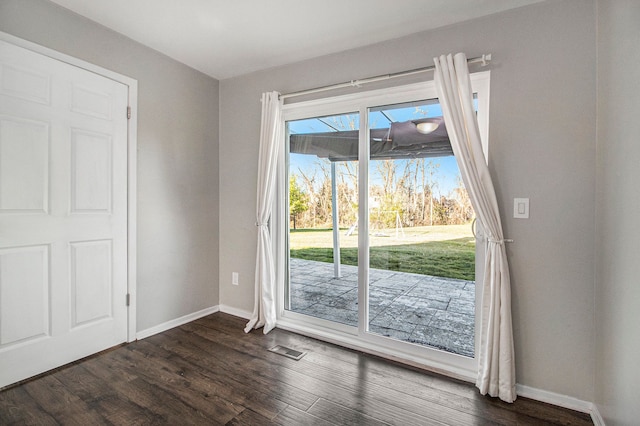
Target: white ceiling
x=227, y=38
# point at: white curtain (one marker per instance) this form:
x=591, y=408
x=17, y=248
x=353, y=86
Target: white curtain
x=496, y=366
x=271, y=140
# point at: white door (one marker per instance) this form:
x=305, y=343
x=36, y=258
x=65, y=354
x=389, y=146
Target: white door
x=63, y=213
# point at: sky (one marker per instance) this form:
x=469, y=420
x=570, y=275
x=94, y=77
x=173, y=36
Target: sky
x=379, y=118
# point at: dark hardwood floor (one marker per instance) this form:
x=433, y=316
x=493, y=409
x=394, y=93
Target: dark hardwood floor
x=211, y=372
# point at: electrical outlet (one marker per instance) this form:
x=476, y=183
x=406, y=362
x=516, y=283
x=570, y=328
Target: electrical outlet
x=234, y=278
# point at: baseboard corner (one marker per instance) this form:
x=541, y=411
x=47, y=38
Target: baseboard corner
x=560, y=400
x=143, y=334
x=240, y=313
x=596, y=417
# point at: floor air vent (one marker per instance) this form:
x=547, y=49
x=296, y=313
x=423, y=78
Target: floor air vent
x=288, y=352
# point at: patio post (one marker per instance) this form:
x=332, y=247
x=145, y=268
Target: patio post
x=335, y=220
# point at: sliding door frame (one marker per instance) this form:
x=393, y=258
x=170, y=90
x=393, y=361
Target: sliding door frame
x=359, y=338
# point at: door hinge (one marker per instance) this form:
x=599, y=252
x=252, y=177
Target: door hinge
x=128, y=112
x=128, y=299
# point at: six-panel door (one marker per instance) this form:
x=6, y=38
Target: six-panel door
x=63, y=213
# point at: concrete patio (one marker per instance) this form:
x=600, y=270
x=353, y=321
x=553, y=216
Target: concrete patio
x=426, y=310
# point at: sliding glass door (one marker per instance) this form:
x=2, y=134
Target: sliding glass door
x=323, y=217
x=421, y=287
x=378, y=236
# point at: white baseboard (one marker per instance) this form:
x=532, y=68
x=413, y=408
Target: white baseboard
x=560, y=400
x=596, y=417
x=176, y=322
x=240, y=313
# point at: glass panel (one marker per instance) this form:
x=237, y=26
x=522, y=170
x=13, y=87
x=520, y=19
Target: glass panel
x=421, y=248
x=323, y=212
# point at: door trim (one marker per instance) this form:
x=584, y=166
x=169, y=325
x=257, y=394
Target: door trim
x=132, y=132
x=424, y=357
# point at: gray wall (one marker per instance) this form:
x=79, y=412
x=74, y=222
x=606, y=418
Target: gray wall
x=177, y=157
x=542, y=146
x=618, y=204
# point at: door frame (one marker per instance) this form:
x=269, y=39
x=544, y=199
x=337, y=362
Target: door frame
x=450, y=364
x=132, y=132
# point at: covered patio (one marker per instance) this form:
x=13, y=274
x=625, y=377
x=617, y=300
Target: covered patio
x=422, y=309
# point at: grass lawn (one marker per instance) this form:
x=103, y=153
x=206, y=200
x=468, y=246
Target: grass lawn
x=442, y=251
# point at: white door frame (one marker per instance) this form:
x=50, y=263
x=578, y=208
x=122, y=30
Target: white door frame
x=132, y=132
x=450, y=364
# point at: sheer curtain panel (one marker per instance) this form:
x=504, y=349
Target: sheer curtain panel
x=496, y=366
x=271, y=140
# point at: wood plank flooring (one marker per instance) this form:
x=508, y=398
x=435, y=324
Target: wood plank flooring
x=210, y=372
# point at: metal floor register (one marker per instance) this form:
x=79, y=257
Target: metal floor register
x=288, y=352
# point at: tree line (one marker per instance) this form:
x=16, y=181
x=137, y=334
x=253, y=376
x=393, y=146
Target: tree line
x=402, y=192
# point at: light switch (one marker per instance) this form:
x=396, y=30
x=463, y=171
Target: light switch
x=521, y=208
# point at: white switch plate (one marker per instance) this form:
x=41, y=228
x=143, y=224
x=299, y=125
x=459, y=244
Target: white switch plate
x=521, y=208
x=234, y=278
